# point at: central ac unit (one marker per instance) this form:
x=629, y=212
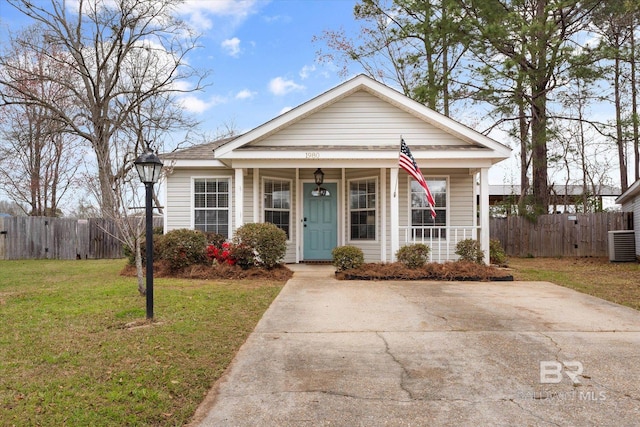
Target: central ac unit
x=622, y=246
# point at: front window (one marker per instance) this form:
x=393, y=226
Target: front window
x=277, y=203
x=211, y=205
x=362, y=209
x=423, y=225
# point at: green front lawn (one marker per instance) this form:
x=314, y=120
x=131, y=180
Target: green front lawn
x=75, y=350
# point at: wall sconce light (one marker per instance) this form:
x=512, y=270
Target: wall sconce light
x=318, y=175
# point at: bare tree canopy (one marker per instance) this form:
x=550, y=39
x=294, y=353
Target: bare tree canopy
x=38, y=158
x=128, y=61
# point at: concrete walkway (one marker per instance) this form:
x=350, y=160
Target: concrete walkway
x=356, y=353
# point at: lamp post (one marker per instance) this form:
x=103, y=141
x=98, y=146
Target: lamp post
x=149, y=167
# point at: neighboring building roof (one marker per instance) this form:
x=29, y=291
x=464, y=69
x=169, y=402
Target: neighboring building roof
x=557, y=189
x=632, y=191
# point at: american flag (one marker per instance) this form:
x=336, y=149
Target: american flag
x=408, y=163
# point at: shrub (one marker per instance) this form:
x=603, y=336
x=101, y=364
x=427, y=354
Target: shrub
x=157, y=242
x=413, y=256
x=346, y=257
x=469, y=250
x=129, y=254
x=243, y=255
x=497, y=255
x=269, y=243
x=215, y=239
x=182, y=248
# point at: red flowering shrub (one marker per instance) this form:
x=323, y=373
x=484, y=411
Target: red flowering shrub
x=222, y=255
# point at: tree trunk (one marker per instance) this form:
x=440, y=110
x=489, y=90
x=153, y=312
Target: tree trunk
x=634, y=102
x=539, y=153
x=142, y=289
x=624, y=184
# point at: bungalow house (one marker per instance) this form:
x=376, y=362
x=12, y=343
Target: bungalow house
x=327, y=173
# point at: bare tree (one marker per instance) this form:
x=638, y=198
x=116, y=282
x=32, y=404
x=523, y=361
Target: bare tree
x=124, y=54
x=38, y=158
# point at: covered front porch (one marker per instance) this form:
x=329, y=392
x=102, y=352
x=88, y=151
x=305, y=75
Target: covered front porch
x=376, y=209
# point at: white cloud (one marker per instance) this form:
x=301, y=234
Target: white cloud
x=231, y=46
x=306, y=71
x=285, y=110
x=277, y=19
x=245, y=94
x=196, y=105
x=201, y=12
x=280, y=86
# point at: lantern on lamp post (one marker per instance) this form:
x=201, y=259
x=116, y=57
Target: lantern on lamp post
x=149, y=167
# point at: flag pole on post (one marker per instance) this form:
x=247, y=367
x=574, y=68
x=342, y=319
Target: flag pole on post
x=408, y=163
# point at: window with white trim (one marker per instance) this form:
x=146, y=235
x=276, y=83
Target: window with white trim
x=211, y=205
x=362, y=209
x=423, y=225
x=277, y=203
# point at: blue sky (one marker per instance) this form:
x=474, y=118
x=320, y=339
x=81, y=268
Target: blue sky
x=260, y=54
x=262, y=57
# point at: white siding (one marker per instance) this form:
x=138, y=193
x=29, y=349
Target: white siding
x=360, y=119
x=371, y=249
x=636, y=223
x=247, y=213
x=180, y=192
x=633, y=205
x=290, y=174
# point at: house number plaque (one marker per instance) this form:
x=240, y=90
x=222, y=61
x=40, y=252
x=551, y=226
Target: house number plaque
x=312, y=155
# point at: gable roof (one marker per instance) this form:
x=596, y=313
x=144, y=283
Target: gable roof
x=472, y=139
x=632, y=191
x=200, y=151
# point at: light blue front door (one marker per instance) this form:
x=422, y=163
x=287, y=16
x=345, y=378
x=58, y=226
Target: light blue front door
x=320, y=222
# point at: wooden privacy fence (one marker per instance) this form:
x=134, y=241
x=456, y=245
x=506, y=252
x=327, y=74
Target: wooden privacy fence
x=572, y=235
x=60, y=238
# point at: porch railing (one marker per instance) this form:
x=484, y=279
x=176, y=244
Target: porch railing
x=441, y=240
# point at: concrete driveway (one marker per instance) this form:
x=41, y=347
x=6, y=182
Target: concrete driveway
x=356, y=353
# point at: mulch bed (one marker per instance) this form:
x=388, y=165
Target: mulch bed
x=449, y=271
x=215, y=272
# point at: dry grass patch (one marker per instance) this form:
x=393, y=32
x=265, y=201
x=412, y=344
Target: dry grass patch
x=615, y=282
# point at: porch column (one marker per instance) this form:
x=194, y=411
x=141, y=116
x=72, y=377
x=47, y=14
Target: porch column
x=484, y=213
x=475, y=176
x=394, y=214
x=297, y=215
x=239, y=200
x=383, y=214
x=256, y=195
